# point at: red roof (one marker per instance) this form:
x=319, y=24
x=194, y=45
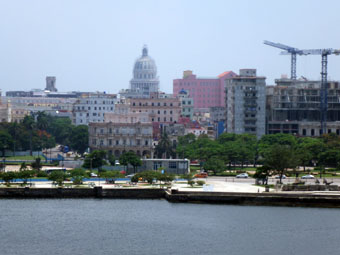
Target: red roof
x=225, y=74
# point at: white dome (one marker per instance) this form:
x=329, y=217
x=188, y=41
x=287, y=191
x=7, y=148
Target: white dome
x=145, y=67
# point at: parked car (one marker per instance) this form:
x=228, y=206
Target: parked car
x=130, y=175
x=201, y=175
x=94, y=175
x=308, y=176
x=243, y=175
x=278, y=177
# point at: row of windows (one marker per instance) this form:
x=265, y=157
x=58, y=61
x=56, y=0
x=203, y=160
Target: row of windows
x=103, y=102
x=152, y=104
x=159, y=119
x=121, y=142
x=145, y=76
x=95, y=108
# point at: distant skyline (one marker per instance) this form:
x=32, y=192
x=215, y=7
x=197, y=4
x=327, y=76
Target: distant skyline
x=92, y=45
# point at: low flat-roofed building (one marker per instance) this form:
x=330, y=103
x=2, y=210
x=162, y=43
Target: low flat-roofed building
x=172, y=166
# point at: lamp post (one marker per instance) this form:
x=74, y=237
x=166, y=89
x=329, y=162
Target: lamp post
x=4, y=164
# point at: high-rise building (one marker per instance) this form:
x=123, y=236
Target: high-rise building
x=245, y=103
x=206, y=92
x=144, y=80
x=293, y=106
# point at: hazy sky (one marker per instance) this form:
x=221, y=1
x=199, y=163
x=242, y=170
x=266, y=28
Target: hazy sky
x=92, y=45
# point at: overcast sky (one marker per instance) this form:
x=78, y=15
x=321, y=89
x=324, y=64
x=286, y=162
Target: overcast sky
x=92, y=45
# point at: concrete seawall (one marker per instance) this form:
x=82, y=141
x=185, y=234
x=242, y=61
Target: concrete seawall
x=272, y=199
x=96, y=192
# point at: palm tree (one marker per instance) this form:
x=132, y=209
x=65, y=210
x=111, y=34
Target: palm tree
x=164, y=148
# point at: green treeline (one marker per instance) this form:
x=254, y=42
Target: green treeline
x=275, y=151
x=42, y=131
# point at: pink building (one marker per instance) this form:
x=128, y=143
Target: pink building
x=206, y=92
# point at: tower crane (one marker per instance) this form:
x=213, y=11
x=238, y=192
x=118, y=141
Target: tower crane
x=323, y=91
x=288, y=51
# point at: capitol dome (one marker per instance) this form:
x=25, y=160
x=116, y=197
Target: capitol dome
x=145, y=67
x=144, y=80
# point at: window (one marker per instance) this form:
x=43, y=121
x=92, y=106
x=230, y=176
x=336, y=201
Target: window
x=172, y=165
x=146, y=142
x=159, y=104
x=94, y=141
x=164, y=118
x=164, y=104
x=110, y=141
x=117, y=142
x=95, y=102
x=170, y=112
x=110, y=130
x=101, y=142
x=152, y=104
x=157, y=165
x=164, y=112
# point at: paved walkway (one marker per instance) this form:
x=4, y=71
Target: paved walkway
x=221, y=186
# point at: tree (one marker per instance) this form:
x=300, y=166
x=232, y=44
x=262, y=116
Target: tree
x=36, y=165
x=279, y=158
x=262, y=173
x=42, y=121
x=112, y=160
x=78, y=175
x=8, y=177
x=111, y=175
x=204, y=148
x=214, y=164
x=267, y=141
x=95, y=159
x=6, y=142
x=79, y=139
x=23, y=166
x=164, y=148
x=130, y=158
x=25, y=175
x=30, y=125
x=308, y=150
x=57, y=177
x=184, y=142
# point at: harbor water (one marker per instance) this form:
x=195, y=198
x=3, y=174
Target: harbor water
x=118, y=226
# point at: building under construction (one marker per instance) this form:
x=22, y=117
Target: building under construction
x=293, y=106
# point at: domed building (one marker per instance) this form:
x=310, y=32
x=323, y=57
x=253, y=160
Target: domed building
x=145, y=80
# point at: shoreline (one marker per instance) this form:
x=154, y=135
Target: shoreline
x=326, y=200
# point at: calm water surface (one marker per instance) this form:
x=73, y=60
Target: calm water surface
x=91, y=226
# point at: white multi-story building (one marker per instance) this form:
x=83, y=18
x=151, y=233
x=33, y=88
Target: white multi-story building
x=93, y=107
x=246, y=103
